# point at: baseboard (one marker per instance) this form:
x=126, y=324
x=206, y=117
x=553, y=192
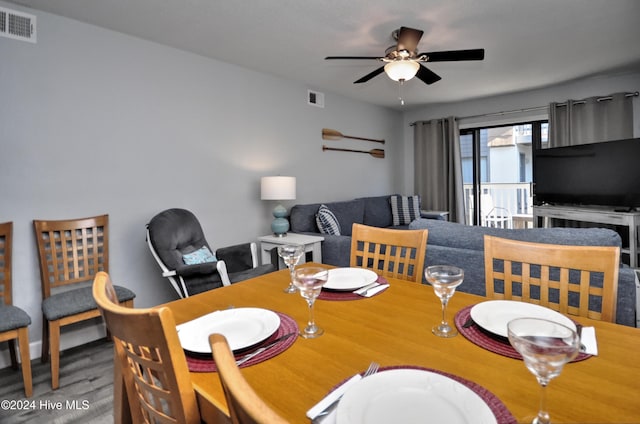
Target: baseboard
x=71, y=337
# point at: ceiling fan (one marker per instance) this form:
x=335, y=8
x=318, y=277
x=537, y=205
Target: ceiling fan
x=403, y=61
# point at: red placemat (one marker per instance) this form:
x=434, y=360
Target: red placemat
x=348, y=295
x=287, y=325
x=491, y=342
x=499, y=409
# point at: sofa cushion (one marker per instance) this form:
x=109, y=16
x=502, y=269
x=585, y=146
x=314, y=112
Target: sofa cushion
x=377, y=211
x=327, y=221
x=404, y=209
x=348, y=213
x=303, y=217
x=452, y=234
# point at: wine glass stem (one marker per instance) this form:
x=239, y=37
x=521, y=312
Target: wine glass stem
x=543, y=415
x=292, y=269
x=444, y=311
x=311, y=323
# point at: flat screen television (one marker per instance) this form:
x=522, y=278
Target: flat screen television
x=602, y=174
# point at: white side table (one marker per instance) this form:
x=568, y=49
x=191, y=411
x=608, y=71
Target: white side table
x=429, y=214
x=311, y=244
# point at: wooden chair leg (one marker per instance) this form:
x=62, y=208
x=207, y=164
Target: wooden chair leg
x=121, y=406
x=54, y=348
x=25, y=359
x=12, y=353
x=44, y=357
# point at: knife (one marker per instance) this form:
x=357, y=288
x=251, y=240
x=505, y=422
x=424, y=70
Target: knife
x=248, y=356
x=365, y=289
x=329, y=402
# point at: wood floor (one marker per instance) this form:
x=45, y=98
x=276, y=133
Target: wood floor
x=85, y=394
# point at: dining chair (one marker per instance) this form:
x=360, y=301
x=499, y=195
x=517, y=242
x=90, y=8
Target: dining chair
x=389, y=252
x=576, y=280
x=150, y=359
x=70, y=253
x=245, y=406
x=14, y=322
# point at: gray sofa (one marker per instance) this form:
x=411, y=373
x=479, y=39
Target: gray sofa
x=373, y=211
x=463, y=246
x=457, y=244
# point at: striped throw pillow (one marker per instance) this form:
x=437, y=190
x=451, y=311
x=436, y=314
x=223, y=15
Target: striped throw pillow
x=404, y=209
x=327, y=221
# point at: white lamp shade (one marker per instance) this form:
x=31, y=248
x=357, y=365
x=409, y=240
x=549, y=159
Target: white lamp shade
x=278, y=188
x=401, y=69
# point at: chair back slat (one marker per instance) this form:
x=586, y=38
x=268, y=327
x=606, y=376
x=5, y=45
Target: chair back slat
x=152, y=361
x=71, y=251
x=574, y=280
x=389, y=252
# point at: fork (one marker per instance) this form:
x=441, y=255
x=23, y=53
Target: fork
x=373, y=368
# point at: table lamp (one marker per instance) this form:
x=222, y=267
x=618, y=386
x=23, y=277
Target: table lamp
x=278, y=188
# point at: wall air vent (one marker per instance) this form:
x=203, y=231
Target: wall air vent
x=315, y=98
x=17, y=25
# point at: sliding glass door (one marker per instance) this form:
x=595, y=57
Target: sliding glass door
x=497, y=168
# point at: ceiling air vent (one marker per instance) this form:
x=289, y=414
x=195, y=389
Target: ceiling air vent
x=17, y=25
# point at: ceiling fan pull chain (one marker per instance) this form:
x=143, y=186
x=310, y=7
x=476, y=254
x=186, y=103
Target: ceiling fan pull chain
x=400, y=91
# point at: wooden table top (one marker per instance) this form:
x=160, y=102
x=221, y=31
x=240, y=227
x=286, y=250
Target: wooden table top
x=394, y=328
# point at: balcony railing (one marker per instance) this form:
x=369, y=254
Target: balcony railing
x=516, y=198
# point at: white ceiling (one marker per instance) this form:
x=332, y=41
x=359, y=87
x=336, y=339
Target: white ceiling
x=528, y=43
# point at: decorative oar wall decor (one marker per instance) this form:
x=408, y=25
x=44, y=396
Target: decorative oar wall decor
x=329, y=134
x=376, y=153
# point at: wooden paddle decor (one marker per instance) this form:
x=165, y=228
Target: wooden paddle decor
x=376, y=153
x=328, y=134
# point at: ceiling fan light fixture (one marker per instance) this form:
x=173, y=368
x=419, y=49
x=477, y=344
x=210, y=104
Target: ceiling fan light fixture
x=401, y=69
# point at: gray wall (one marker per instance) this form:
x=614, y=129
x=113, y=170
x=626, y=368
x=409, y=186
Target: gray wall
x=93, y=121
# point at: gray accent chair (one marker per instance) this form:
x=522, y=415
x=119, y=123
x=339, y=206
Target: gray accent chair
x=173, y=233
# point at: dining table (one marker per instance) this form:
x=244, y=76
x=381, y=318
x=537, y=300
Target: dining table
x=393, y=328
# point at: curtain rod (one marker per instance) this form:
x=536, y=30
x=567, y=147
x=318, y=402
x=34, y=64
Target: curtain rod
x=532, y=109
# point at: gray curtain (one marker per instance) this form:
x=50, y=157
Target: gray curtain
x=438, y=168
x=591, y=120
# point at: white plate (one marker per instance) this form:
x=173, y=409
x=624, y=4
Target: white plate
x=412, y=396
x=243, y=327
x=349, y=278
x=493, y=315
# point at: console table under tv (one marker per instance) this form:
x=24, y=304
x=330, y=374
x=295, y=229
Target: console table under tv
x=599, y=215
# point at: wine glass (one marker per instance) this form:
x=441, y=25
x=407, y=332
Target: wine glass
x=545, y=347
x=291, y=254
x=444, y=279
x=309, y=281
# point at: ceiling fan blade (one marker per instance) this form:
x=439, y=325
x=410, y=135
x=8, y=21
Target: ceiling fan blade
x=455, y=55
x=427, y=76
x=370, y=75
x=352, y=57
x=408, y=39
